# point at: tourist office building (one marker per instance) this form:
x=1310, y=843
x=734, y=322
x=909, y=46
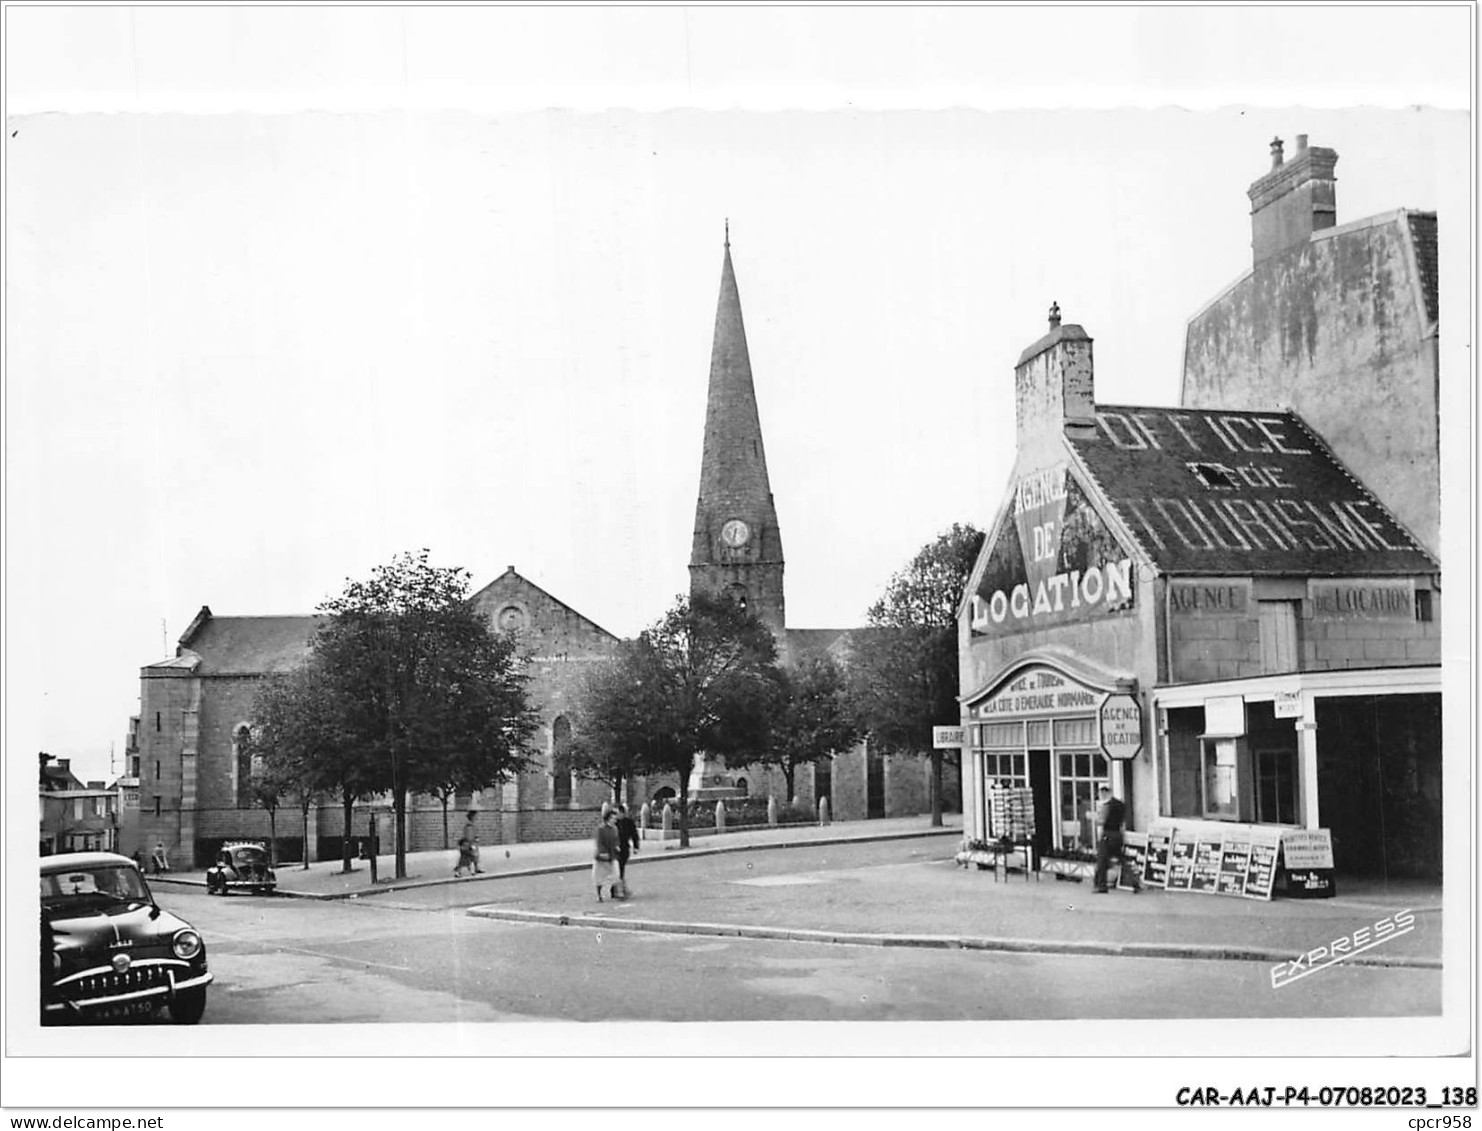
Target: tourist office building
x=1207, y=611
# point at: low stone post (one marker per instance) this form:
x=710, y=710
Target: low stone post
x=823, y=811
x=772, y=811
x=668, y=819
x=644, y=816
x=720, y=816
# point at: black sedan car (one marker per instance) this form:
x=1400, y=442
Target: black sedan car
x=241, y=867
x=109, y=952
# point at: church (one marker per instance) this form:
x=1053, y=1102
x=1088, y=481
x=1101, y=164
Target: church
x=195, y=707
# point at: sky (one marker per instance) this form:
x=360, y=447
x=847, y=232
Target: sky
x=252, y=354
x=291, y=290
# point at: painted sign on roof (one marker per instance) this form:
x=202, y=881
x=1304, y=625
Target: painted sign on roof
x=1054, y=560
x=1242, y=492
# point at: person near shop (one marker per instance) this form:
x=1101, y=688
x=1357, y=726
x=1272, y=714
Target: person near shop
x=627, y=831
x=161, y=858
x=1111, y=814
x=604, y=861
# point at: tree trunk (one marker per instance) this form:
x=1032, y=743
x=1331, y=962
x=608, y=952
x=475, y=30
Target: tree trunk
x=936, y=789
x=349, y=808
x=399, y=801
x=445, y=799
x=305, y=812
x=684, y=810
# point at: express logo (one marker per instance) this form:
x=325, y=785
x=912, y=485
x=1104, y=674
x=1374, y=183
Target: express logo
x=1386, y=930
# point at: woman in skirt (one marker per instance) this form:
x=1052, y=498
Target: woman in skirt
x=604, y=866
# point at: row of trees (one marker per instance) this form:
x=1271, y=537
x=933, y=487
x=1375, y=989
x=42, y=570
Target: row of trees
x=705, y=680
x=406, y=690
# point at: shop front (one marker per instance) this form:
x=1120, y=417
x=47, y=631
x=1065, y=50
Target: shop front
x=1355, y=752
x=1058, y=734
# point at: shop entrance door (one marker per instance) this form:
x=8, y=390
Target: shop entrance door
x=1044, y=801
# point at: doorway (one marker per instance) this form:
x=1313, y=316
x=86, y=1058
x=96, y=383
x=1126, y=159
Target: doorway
x=874, y=783
x=1044, y=801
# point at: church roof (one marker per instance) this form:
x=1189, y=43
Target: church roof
x=248, y=645
x=805, y=642
x=1256, y=493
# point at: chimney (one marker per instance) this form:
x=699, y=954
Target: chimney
x=1054, y=389
x=1293, y=200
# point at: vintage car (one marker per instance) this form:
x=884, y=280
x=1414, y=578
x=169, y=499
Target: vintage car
x=241, y=867
x=109, y=952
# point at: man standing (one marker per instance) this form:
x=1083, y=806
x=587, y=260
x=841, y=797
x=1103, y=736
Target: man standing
x=1110, y=815
x=627, y=830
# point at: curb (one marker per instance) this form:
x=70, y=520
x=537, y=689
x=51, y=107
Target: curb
x=553, y=869
x=936, y=942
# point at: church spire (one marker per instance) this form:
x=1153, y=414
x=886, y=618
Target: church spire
x=737, y=543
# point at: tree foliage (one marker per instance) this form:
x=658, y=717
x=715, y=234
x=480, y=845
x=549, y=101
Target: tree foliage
x=700, y=680
x=812, y=717
x=903, y=668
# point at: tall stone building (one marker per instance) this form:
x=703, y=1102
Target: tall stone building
x=737, y=550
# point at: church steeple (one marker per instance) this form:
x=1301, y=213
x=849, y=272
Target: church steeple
x=737, y=544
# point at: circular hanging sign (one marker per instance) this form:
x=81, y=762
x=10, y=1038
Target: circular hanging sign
x=1121, y=727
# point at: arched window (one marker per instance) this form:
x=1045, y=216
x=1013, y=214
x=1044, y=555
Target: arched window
x=242, y=765
x=560, y=770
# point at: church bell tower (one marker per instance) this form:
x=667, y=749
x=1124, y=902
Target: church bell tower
x=737, y=545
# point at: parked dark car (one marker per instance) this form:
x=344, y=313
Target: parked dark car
x=109, y=952
x=241, y=867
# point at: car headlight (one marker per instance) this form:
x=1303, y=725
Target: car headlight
x=187, y=944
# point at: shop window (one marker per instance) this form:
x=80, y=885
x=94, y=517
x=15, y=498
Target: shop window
x=1279, y=639
x=1006, y=769
x=1276, y=787
x=1039, y=733
x=1001, y=735
x=1221, y=778
x=1080, y=773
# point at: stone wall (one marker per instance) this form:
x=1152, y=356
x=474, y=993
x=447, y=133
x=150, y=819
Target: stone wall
x=1337, y=329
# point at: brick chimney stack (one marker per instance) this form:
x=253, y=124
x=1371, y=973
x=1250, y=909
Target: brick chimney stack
x=1054, y=388
x=1293, y=200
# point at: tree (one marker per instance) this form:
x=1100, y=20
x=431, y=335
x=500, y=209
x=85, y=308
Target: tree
x=609, y=729
x=293, y=743
x=420, y=680
x=812, y=717
x=699, y=680
x=902, y=670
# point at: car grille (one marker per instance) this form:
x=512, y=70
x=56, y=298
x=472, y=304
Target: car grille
x=112, y=983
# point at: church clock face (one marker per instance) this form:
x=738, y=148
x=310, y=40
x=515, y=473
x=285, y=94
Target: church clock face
x=735, y=533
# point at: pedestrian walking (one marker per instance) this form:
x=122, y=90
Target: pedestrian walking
x=604, y=862
x=468, y=846
x=627, y=831
x=161, y=858
x=1110, y=816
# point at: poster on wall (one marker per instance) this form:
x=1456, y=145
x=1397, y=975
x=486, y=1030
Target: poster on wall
x=1260, y=871
x=1180, y=862
x=1234, y=863
x=1053, y=562
x=1206, y=873
x=1155, y=865
x=1134, y=861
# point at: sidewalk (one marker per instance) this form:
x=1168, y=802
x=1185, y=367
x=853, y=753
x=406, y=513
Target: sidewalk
x=325, y=880
x=890, y=883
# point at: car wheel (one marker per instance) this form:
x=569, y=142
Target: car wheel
x=187, y=1006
